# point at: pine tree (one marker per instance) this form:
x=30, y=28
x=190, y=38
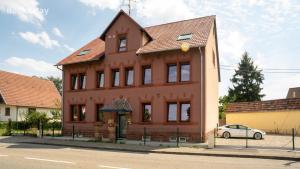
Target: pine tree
x=246, y=81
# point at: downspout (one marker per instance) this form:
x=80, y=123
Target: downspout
x=62, y=98
x=202, y=94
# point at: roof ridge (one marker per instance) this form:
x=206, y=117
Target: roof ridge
x=283, y=99
x=26, y=76
x=181, y=21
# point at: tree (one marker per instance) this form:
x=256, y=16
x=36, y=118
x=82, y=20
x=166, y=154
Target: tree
x=56, y=113
x=35, y=118
x=246, y=81
x=57, y=82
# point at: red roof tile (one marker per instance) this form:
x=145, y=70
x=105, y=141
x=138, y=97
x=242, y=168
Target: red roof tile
x=163, y=38
x=20, y=90
x=270, y=105
x=96, y=47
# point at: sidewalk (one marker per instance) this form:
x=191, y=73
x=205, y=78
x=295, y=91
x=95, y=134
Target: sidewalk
x=195, y=150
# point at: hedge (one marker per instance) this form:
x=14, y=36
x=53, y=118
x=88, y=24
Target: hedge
x=21, y=125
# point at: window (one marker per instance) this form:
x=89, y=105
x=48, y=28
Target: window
x=147, y=79
x=7, y=111
x=99, y=114
x=172, y=112
x=294, y=94
x=74, y=113
x=100, y=79
x=82, y=81
x=232, y=127
x=115, y=78
x=242, y=127
x=129, y=76
x=184, y=72
x=31, y=110
x=122, y=44
x=186, y=36
x=147, y=112
x=82, y=112
x=185, y=111
x=83, y=52
x=172, y=73
x=74, y=82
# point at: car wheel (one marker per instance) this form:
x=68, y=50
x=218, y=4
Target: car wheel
x=257, y=136
x=226, y=135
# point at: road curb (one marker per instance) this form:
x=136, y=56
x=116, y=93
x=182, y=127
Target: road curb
x=173, y=153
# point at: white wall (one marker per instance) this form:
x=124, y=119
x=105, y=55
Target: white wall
x=17, y=113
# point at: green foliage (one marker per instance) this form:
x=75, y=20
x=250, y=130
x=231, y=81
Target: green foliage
x=57, y=82
x=35, y=118
x=8, y=128
x=246, y=82
x=56, y=115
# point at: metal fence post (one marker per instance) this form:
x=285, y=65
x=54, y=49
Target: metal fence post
x=145, y=135
x=73, y=131
x=293, y=132
x=246, y=137
x=42, y=125
x=53, y=129
x=24, y=128
x=177, y=137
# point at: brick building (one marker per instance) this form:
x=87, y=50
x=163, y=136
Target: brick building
x=131, y=77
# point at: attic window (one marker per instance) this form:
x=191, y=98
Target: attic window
x=83, y=52
x=186, y=36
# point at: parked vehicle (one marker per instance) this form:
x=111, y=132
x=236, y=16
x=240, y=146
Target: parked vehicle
x=237, y=130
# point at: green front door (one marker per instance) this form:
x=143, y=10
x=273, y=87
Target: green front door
x=121, y=131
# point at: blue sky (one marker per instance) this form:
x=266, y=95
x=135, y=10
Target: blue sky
x=36, y=34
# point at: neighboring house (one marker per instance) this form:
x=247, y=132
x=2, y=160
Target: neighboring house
x=131, y=78
x=293, y=93
x=20, y=94
x=273, y=116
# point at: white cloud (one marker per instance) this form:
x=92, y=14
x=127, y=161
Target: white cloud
x=57, y=32
x=25, y=10
x=103, y=4
x=158, y=11
x=32, y=67
x=232, y=45
x=42, y=39
x=67, y=47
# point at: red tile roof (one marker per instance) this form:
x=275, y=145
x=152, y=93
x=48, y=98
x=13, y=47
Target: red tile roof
x=96, y=47
x=20, y=90
x=163, y=38
x=270, y=105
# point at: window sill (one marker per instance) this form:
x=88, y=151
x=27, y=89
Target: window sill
x=129, y=86
x=178, y=123
x=78, y=90
x=178, y=83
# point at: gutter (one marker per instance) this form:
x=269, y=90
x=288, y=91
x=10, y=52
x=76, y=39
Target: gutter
x=202, y=94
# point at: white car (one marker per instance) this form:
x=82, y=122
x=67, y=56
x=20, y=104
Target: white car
x=237, y=130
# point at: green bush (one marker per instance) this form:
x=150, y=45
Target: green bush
x=3, y=125
x=8, y=129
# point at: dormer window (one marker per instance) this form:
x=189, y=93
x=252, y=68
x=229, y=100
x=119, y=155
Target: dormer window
x=122, y=43
x=186, y=36
x=83, y=52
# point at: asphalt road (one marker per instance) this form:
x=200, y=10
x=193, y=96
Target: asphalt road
x=31, y=156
